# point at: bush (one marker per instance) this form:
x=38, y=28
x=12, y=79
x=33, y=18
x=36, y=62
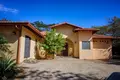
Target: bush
x=54, y=42
x=4, y=47
x=7, y=64
x=7, y=67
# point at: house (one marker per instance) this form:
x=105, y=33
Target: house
x=83, y=43
x=22, y=38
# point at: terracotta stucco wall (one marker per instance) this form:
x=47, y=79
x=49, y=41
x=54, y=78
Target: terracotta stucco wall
x=102, y=48
x=34, y=37
x=70, y=48
x=68, y=33
x=11, y=34
x=98, y=50
x=85, y=53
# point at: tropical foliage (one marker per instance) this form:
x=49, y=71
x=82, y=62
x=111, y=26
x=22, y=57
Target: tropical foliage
x=114, y=25
x=113, y=29
x=7, y=64
x=102, y=29
x=54, y=42
x=42, y=26
x=7, y=67
x=3, y=45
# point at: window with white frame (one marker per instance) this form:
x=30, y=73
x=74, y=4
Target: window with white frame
x=86, y=45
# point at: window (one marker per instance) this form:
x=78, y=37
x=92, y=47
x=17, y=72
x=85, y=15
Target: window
x=85, y=44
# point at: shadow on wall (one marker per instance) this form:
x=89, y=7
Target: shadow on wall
x=103, y=53
x=10, y=33
x=108, y=52
x=56, y=75
x=40, y=52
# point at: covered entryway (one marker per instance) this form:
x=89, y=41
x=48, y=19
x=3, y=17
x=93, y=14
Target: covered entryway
x=27, y=47
x=65, y=51
x=68, y=48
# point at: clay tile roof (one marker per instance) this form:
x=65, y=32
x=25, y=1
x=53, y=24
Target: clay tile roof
x=35, y=30
x=24, y=24
x=77, y=28
x=87, y=29
x=1, y=21
x=102, y=36
x=65, y=23
x=43, y=33
x=84, y=29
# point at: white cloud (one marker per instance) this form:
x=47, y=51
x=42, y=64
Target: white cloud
x=6, y=9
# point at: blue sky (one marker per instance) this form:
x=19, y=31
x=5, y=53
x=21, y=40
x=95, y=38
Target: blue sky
x=84, y=13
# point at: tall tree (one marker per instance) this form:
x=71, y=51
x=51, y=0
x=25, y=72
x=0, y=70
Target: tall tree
x=102, y=29
x=112, y=28
x=114, y=24
x=42, y=26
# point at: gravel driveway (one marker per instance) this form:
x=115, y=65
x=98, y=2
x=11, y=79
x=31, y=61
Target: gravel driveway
x=65, y=68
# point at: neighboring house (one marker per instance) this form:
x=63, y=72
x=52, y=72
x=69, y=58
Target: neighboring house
x=22, y=38
x=83, y=43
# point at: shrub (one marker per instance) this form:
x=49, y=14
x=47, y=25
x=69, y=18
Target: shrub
x=54, y=42
x=4, y=47
x=7, y=67
x=7, y=64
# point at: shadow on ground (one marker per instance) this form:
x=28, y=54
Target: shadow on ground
x=114, y=61
x=56, y=75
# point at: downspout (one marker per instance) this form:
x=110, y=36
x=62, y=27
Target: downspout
x=19, y=44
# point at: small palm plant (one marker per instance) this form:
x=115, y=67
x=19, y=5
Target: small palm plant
x=7, y=67
x=7, y=64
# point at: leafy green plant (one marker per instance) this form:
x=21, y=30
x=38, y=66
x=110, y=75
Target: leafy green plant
x=4, y=47
x=54, y=42
x=7, y=64
x=40, y=25
x=7, y=67
x=3, y=40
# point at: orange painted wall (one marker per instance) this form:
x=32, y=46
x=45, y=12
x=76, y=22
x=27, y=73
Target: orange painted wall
x=34, y=37
x=11, y=34
x=85, y=36
x=102, y=48
x=68, y=33
x=97, y=50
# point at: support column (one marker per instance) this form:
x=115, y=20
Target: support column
x=19, y=43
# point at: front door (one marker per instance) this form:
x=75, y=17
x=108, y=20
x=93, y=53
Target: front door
x=65, y=52
x=27, y=47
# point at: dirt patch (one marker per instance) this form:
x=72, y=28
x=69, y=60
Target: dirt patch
x=88, y=70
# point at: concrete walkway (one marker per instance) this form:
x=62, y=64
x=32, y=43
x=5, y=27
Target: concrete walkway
x=65, y=68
